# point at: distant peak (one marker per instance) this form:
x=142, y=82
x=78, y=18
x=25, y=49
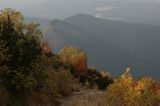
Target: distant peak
x=56, y=21
x=82, y=14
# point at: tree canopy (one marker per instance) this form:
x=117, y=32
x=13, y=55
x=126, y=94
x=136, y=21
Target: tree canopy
x=20, y=47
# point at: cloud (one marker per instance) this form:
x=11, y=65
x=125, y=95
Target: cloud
x=103, y=9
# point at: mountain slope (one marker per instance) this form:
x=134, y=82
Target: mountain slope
x=110, y=45
x=61, y=33
x=43, y=22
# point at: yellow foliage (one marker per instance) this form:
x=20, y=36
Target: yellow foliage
x=127, y=92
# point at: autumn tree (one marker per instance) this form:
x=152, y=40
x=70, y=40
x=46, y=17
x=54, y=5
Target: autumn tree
x=73, y=58
x=123, y=92
x=28, y=68
x=20, y=47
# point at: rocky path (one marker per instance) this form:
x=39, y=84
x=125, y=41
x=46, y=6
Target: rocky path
x=85, y=97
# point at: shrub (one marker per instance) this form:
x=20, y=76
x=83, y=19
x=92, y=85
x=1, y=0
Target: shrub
x=93, y=78
x=151, y=92
x=73, y=58
x=123, y=92
x=127, y=92
x=4, y=96
x=66, y=83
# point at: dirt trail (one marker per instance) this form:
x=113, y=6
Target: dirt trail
x=82, y=98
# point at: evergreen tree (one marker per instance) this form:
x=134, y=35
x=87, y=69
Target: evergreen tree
x=20, y=47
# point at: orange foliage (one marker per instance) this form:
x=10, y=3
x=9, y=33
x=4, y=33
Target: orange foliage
x=75, y=58
x=45, y=48
x=80, y=64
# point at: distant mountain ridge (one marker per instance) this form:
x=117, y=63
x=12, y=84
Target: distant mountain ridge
x=110, y=45
x=42, y=22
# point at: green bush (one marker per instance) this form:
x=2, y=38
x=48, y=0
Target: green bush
x=93, y=78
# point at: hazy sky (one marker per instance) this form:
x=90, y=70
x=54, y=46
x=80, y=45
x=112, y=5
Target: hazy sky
x=49, y=8
x=113, y=9
x=20, y=4
x=39, y=5
x=25, y=3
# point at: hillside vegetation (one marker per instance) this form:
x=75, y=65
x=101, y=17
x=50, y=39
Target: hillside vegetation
x=32, y=75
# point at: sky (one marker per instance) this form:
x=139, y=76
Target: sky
x=19, y=4
x=26, y=3
x=111, y=9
